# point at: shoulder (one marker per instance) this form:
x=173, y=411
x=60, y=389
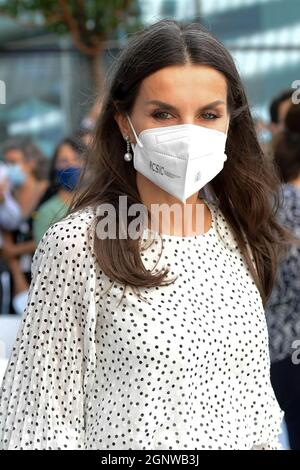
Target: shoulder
x=48, y=213
x=47, y=205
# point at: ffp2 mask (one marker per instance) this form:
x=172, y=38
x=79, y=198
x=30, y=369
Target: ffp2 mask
x=180, y=159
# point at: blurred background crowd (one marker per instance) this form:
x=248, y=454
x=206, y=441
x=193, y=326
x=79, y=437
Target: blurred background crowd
x=53, y=60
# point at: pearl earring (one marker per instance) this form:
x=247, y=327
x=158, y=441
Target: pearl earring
x=127, y=156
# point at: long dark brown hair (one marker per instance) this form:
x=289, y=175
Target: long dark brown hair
x=246, y=189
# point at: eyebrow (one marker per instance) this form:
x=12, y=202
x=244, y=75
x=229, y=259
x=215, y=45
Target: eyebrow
x=173, y=108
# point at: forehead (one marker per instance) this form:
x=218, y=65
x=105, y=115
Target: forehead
x=14, y=154
x=184, y=84
x=66, y=149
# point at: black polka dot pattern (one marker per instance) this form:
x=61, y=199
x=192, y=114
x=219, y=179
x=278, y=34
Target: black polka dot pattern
x=186, y=369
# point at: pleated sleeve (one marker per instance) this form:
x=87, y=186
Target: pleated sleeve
x=44, y=390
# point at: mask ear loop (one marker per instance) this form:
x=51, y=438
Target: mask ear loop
x=135, y=134
x=226, y=242
x=226, y=133
x=227, y=127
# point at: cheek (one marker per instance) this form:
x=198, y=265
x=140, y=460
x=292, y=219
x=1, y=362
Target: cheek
x=222, y=123
x=140, y=120
x=222, y=126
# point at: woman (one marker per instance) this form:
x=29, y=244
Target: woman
x=283, y=308
x=28, y=170
x=64, y=175
x=159, y=341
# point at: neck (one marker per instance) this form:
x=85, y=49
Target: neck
x=193, y=218
x=152, y=194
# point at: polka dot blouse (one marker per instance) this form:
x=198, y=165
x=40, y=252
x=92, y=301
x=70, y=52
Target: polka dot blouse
x=186, y=369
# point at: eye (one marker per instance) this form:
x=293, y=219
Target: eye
x=209, y=116
x=161, y=115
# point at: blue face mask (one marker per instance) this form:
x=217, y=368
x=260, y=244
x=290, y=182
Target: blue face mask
x=68, y=178
x=15, y=174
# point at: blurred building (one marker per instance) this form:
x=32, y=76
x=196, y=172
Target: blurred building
x=48, y=85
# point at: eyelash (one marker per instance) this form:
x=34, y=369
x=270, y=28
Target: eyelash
x=157, y=115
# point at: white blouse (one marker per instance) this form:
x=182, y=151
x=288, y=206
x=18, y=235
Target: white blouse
x=189, y=369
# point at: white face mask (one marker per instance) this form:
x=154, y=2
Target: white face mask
x=180, y=159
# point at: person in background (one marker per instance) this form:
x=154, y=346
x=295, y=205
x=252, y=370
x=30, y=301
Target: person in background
x=64, y=176
x=28, y=171
x=278, y=110
x=264, y=136
x=10, y=217
x=283, y=307
x=10, y=211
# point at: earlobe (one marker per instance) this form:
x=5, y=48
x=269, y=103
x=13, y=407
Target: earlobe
x=125, y=126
